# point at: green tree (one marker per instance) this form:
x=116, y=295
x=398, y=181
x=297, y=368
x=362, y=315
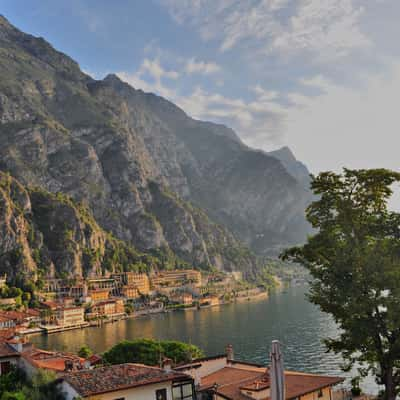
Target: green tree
x=85, y=351
x=13, y=396
x=354, y=260
x=15, y=385
x=151, y=352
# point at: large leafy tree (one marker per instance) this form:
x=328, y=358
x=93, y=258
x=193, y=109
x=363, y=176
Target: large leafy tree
x=151, y=352
x=354, y=260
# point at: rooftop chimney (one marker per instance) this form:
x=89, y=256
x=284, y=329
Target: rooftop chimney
x=69, y=365
x=167, y=364
x=229, y=353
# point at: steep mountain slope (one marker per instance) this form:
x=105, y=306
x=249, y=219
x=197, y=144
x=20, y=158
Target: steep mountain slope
x=260, y=197
x=139, y=163
x=62, y=131
x=45, y=234
x=296, y=168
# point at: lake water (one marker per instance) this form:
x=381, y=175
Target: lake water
x=249, y=326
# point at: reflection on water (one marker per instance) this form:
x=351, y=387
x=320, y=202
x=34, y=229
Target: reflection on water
x=249, y=326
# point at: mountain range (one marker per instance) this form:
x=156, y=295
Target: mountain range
x=165, y=185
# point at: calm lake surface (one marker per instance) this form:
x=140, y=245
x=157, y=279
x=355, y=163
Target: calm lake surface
x=249, y=326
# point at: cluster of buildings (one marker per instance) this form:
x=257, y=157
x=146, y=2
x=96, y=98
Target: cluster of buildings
x=130, y=285
x=77, y=303
x=218, y=377
x=12, y=319
x=68, y=304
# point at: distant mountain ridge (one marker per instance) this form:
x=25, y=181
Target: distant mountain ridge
x=296, y=168
x=150, y=174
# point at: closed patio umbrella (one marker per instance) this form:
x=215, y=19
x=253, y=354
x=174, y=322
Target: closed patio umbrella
x=276, y=372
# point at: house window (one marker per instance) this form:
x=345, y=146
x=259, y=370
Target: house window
x=182, y=391
x=161, y=394
x=320, y=393
x=5, y=367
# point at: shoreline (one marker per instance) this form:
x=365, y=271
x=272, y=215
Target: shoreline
x=137, y=315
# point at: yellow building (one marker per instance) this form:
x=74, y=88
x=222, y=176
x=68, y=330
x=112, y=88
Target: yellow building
x=176, y=278
x=209, y=301
x=108, y=308
x=130, y=292
x=70, y=316
x=99, y=294
x=141, y=281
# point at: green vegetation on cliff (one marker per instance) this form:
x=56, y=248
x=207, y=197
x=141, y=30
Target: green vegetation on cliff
x=50, y=235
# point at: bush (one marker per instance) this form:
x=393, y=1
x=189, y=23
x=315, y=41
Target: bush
x=150, y=351
x=85, y=351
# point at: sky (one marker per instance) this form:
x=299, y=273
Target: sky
x=321, y=76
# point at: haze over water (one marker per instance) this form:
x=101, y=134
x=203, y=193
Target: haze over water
x=249, y=326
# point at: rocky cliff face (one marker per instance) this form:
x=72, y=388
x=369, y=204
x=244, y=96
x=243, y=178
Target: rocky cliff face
x=260, y=197
x=45, y=234
x=139, y=163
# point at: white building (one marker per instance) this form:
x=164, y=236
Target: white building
x=127, y=382
x=9, y=356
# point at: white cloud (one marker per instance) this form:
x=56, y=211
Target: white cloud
x=327, y=124
x=154, y=68
x=259, y=119
x=201, y=67
x=328, y=28
x=355, y=127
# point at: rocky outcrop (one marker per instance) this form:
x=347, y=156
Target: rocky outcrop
x=49, y=235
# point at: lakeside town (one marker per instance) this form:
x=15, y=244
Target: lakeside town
x=199, y=200
x=218, y=377
x=65, y=304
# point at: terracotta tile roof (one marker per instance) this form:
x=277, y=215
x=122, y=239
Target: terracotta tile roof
x=7, y=351
x=14, y=315
x=118, y=377
x=50, y=304
x=104, y=302
x=50, y=360
x=230, y=381
x=95, y=359
x=33, y=312
x=300, y=384
x=6, y=334
x=229, y=375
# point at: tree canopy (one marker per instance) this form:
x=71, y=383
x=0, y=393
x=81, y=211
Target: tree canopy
x=354, y=260
x=85, y=351
x=15, y=385
x=151, y=352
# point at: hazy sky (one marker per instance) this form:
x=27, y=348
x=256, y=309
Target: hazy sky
x=322, y=76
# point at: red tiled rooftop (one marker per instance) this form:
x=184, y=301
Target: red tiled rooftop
x=6, y=334
x=32, y=312
x=13, y=315
x=299, y=384
x=231, y=380
x=7, y=351
x=50, y=360
x=230, y=375
x=118, y=377
x=94, y=358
